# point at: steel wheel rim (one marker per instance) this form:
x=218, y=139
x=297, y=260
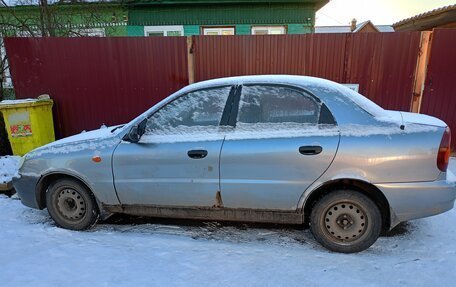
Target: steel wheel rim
x=71, y=205
x=345, y=222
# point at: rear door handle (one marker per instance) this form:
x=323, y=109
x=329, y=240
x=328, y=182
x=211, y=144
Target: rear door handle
x=310, y=149
x=197, y=153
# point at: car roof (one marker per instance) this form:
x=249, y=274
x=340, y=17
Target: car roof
x=301, y=81
x=346, y=104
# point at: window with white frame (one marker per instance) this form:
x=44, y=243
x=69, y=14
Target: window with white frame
x=164, y=31
x=268, y=30
x=218, y=31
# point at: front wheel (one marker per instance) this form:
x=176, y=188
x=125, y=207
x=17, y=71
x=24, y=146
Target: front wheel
x=346, y=221
x=71, y=205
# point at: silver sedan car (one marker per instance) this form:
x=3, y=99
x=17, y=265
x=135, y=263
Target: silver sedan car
x=275, y=149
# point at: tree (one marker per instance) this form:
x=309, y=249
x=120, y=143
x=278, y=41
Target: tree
x=52, y=18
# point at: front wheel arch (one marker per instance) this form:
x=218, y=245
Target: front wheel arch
x=363, y=187
x=44, y=182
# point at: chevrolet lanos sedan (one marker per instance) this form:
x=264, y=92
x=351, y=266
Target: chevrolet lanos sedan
x=275, y=149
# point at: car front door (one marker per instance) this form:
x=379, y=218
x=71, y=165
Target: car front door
x=176, y=161
x=284, y=139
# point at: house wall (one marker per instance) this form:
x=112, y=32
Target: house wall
x=222, y=14
x=191, y=30
x=135, y=30
x=299, y=29
x=368, y=29
x=297, y=17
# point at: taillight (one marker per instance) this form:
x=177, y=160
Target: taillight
x=443, y=157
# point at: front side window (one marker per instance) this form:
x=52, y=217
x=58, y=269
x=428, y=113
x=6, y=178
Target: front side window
x=199, y=111
x=276, y=104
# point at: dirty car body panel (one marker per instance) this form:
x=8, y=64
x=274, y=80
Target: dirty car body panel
x=229, y=167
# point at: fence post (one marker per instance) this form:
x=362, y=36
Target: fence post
x=421, y=70
x=190, y=57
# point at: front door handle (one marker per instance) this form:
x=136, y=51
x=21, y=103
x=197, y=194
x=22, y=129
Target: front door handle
x=310, y=149
x=197, y=153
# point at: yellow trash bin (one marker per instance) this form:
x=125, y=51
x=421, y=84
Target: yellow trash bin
x=29, y=123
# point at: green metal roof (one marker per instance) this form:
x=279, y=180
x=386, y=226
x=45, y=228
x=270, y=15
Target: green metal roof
x=223, y=14
x=168, y=2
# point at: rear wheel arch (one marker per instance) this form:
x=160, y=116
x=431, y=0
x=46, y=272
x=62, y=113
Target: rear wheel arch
x=357, y=185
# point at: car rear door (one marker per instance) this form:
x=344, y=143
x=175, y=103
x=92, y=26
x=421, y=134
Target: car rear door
x=282, y=140
x=176, y=161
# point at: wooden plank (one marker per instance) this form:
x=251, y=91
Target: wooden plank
x=190, y=57
x=421, y=70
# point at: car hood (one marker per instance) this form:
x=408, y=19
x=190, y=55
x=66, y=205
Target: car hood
x=95, y=139
x=411, y=118
x=90, y=135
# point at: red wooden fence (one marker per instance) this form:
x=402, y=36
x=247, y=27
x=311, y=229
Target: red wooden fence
x=111, y=80
x=97, y=80
x=383, y=64
x=439, y=97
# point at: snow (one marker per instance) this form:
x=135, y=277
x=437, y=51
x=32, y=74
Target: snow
x=138, y=252
x=71, y=147
x=410, y=118
x=245, y=131
x=25, y=101
x=423, y=119
x=90, y=135
x=183, y=134
x=312, y=83
x=9, y=166
x=15, y=102
x=203, y=107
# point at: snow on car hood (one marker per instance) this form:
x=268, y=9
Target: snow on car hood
x=411, y=118
x=90, y=135
x=92, y=140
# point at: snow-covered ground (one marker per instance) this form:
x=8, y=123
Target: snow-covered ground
x=33, y=252
x=8, y=168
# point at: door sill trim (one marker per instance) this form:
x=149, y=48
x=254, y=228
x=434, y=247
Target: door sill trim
x=210, y=213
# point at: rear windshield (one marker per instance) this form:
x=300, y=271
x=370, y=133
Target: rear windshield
x=363, y=102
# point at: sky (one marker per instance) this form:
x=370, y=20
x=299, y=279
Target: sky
x=341, y=12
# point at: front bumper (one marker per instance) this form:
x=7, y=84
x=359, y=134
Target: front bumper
x=418, y=199
x=25, y=187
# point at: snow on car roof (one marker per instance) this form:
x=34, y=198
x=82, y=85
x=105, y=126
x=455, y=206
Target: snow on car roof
x=321, y=87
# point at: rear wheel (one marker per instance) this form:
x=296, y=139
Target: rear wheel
x=346, y=221
x=71, y=205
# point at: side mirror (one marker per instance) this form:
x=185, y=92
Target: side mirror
x=142, y=127
x=133, y=135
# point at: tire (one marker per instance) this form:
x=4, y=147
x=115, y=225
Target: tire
x=71, y=205
x=346, y=221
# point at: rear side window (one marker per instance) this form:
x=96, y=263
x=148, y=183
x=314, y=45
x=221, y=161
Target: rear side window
x=277, y=104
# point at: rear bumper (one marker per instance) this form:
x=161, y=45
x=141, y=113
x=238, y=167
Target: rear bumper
x=418, y=199
x=26, y=189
